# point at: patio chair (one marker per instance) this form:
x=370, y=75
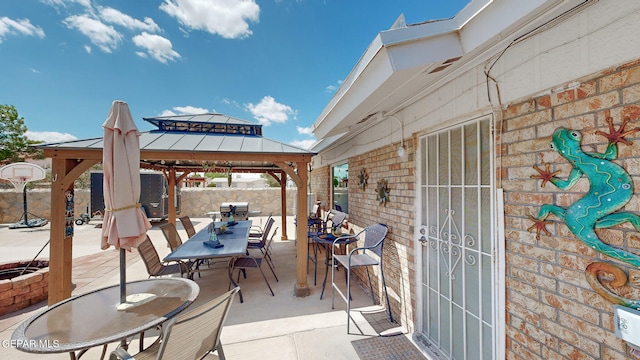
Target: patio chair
x=262, y=242
x=257, y=230
x=173, y=238
x=374, y=236
x=265, y=249
x=248, y=261
x=171, y=234
x=188, y=226
x=193, y=334
x=154, y=266
x=334, y=220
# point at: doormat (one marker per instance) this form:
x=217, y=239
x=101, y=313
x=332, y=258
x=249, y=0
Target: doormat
x=387, y=348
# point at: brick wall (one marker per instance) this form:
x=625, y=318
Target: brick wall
x=364, y=209
x=23, y=291
x=552, y=312
x=320, y=180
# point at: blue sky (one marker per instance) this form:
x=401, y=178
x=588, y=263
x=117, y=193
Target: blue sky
x=276, y=62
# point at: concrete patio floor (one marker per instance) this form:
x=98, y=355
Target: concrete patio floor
x=263, y=327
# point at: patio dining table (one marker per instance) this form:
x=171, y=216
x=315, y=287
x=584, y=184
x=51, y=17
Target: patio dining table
x=81, y=322
x=235, y=241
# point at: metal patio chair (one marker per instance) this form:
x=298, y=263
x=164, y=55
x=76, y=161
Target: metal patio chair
x=194, y=334
x=171, y=234
x=374, y=236
x=188, y=226
x=257, y=231
x=261, y=244
x=241, y=263
x=333, y=220
x=154, y=266
x=173, y=238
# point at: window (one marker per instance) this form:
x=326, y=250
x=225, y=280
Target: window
x=340, y=188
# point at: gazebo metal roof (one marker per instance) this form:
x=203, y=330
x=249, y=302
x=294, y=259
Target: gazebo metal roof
x=203, y=134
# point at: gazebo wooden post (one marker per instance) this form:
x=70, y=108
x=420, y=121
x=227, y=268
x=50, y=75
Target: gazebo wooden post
x=300, y=178
x=60, y=254
x=171, y=193
x=64, y=172
x=283, y=204
x=302, y=288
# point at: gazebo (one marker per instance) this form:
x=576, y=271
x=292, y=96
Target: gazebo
x=180, y=145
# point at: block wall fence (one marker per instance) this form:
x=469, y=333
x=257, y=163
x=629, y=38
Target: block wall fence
x=196, y=202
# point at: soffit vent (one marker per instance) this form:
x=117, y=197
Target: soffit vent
x=366, y=118
x=445, y=64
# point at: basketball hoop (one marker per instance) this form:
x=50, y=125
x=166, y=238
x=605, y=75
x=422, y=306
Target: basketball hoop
x=19, y=174
x=19, y=183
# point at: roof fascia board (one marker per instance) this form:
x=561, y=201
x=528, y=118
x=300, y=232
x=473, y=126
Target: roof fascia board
x=433, y=31
x=480, y=23
x=358, y=69
x=366, y=77
x=387, y=61
x=500, y=18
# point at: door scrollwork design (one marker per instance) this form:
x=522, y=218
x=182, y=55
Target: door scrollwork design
x=451, y=244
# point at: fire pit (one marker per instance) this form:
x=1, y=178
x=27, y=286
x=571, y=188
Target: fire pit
x=23, y=284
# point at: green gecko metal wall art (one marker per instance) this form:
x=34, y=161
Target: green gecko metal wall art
x=610, y=188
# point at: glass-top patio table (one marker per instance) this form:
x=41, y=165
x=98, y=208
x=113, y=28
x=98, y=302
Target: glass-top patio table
x=93, y=319
x=235, y=242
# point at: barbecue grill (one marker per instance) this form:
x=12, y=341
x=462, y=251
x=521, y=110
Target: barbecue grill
x=242, y=210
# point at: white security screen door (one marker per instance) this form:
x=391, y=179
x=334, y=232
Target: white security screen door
x=456, y=242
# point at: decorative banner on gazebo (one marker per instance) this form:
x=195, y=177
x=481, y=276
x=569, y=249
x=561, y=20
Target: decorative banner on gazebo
x=68, y=214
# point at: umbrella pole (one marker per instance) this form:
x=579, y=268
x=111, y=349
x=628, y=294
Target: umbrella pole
x=123, y=287
x=123, y=277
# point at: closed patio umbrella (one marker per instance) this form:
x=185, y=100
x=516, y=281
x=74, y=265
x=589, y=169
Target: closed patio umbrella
x=125, y=223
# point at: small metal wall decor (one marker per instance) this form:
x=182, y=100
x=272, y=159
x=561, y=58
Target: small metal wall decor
x=362, y=179
x=68, y=214
x=610, y=189
x=382, y=192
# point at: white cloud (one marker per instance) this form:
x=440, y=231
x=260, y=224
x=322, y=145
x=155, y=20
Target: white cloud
x=185, y=110
x=102, y=35
x=49, y=136
x=190, y=110
x=116, y=17
x=268, y=111
x=156, y=46
x=20, y=26
x=227, y=18
x=63, y=3
x=233, y=103
x=87, y=48
x=304, y=130
x=304, y=144
x=332, y=88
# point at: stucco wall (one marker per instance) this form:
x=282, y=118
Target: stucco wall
x=196, y=202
